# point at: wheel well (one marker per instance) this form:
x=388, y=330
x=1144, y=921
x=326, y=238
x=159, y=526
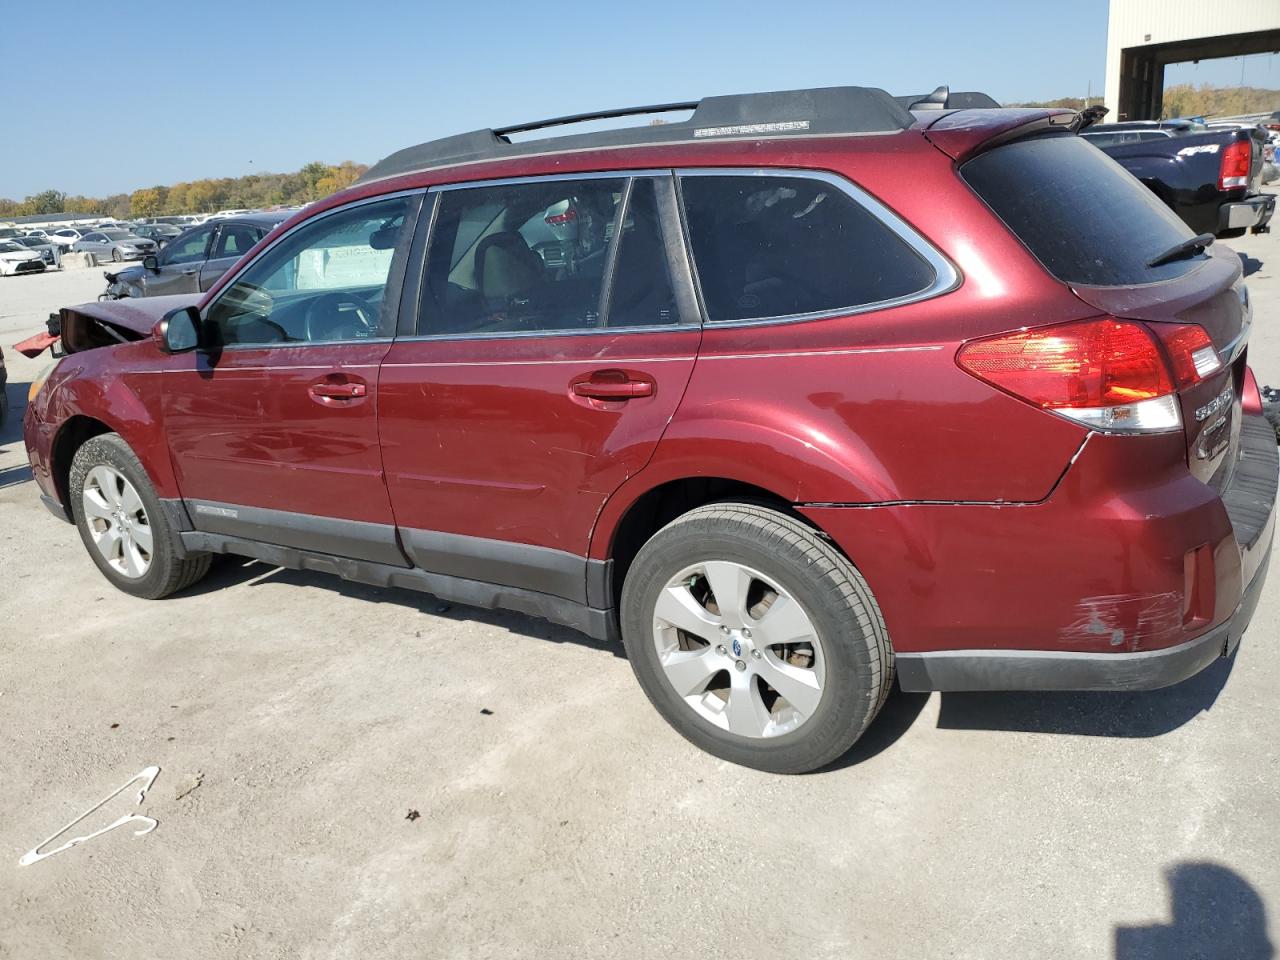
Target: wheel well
x=73, y=435
x=655, y=509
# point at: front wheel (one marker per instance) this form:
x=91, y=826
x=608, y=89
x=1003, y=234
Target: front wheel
x=123, y=525
x=755, y=638
x=115, y=255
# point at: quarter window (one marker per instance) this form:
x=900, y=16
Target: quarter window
x=548, y=256
x=778, y=246
x=324, y=283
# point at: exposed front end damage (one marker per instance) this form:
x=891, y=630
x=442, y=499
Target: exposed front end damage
x=102, y=324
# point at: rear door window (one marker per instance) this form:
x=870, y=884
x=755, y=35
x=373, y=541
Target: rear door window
x=1084, y=217
x=555, y=256
x=782, y=246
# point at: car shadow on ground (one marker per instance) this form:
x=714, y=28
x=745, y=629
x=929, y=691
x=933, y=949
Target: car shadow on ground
x=1131, y=714
x=1217, y=915
x=229, y=571
x=1251, y=264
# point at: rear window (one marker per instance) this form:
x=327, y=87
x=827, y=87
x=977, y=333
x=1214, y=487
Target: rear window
x=1082, y=215
x=778, y=246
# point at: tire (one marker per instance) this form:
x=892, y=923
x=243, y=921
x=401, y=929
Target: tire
x=115, y=254
x=850, y=659
x=167, y=568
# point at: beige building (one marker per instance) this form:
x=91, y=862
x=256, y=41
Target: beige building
x=1145, y=35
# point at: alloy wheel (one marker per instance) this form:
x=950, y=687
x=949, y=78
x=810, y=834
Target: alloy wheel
x=739, y=649
x=117, y=521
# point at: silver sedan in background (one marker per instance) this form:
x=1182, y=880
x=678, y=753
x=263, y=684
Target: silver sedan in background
x=117, y=245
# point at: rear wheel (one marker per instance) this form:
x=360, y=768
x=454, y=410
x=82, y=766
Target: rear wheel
x=755, y=638
x=123, y=525
x=115, y=254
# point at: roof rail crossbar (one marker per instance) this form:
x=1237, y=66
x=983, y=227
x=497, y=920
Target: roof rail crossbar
x=596, y=115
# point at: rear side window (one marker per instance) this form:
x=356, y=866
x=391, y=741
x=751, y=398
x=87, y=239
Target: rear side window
x=778, y=246
x=1082, y=215
x=549, y=256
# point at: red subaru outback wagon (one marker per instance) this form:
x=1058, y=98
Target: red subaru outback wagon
x=791, y=396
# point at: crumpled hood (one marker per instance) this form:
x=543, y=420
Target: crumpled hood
x=137, y=315
x=105, y=323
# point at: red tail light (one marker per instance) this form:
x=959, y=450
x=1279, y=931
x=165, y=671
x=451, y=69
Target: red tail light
x=1105, y=373
x=1234, y=171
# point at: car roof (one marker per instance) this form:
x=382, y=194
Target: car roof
x=253, y=219
x=823, y=111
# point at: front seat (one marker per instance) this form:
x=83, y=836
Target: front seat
x=506, y=267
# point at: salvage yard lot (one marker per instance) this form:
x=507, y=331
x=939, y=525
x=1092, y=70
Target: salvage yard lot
x=300, y=721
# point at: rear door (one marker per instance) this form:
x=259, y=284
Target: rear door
x=556, y=332
x=231, y=242
x=179, y=264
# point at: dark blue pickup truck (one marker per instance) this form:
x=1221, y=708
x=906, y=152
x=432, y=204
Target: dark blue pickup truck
x=1212, y=179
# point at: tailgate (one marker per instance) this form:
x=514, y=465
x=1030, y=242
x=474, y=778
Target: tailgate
x=1214, y=297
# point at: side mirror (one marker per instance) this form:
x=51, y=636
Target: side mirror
x=149, y=262
x=178, y=331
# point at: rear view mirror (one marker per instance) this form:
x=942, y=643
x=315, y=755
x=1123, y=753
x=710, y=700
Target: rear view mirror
x=178, y=331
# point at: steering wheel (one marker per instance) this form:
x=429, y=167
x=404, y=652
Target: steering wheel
x=325, y=318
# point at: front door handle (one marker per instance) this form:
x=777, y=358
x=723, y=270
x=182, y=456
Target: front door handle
x=616, y=387
x=338, y=391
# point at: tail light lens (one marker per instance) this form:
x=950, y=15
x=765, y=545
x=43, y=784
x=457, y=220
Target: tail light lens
x=1106, y=373
x=1234, y=171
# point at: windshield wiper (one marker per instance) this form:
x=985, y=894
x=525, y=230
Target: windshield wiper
x=1187, y=248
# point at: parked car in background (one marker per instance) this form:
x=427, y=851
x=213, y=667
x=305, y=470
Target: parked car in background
x=51, y=252
x=7, y=232
x=114, y=245
x=16, y=259
x=818, y=391
x=161, y=233
x=68, y=237
x=1210, y=178
x=194, y=260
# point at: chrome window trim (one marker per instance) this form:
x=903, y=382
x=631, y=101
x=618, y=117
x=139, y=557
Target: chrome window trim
x=946, y=276
x=626, y=175
x=231, y=281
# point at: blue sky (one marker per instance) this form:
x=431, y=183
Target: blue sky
x=153, y=93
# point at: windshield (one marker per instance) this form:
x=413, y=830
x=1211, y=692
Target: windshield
x=116, y=234
x=8, y=246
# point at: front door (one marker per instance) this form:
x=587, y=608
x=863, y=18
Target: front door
x=178, y=265
x=556, y=332
x=273, y=423
x=232, y=241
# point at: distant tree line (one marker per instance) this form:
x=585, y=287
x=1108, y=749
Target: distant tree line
x=257, y=190
x=1188, y=100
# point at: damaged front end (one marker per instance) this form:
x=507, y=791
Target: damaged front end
x=102, y=324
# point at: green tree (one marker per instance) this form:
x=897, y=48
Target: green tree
x=50, y=201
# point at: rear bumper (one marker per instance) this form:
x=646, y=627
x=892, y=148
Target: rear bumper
x=1253, y=213
x=968, y=670
x=1132, y=575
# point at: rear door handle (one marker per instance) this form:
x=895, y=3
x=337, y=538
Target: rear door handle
x=613, y=389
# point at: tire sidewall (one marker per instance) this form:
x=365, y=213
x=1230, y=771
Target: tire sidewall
x=851, y=688
x=110, y=450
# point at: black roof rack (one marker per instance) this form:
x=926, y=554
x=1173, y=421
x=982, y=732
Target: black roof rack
x=822, y=111
x=943, y=99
